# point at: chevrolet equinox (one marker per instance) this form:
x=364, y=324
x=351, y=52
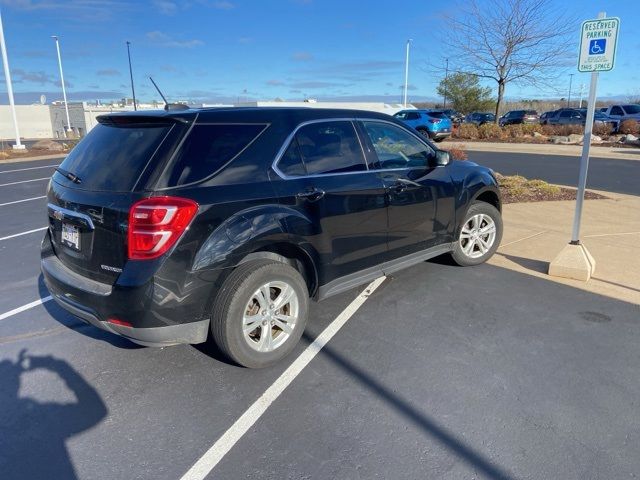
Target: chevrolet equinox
x=182, y=225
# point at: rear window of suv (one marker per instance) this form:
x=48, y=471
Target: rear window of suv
x=112, y=157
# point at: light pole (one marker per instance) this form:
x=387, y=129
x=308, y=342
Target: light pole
x=64, y=92
x=570, y=81
x=406, y=74
x=581, y=89
x=7, y=76
x=133, y=91
x=446, y=76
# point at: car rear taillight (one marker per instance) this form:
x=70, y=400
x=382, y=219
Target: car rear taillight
x=156, y=224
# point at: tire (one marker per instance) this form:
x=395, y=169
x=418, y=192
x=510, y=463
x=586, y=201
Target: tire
x=485, y=245
x=425, y=133
x=242, y=297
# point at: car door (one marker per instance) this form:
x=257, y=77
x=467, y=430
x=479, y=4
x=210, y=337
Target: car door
x=420, y=194
x=340, y=206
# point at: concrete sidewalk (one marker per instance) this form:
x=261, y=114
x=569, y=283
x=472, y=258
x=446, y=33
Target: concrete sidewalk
x=549, y=149
x=535, y=232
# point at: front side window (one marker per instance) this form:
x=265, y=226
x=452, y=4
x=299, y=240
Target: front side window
x=616, y=111
x=395, y=147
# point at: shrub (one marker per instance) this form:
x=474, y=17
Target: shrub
x=457, y=152
x=629, y=126
x=567, y=130
x=513, y=131
x=489, y=131
x=548, y=130
x=466, y=130
x=601, y=130
x=531, y=128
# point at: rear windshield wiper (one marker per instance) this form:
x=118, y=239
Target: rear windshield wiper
x=69, y=175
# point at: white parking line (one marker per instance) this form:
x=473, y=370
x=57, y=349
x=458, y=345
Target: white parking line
x=24, y=181
x=221, y=447
x=15, y=311
x=23, y=233
x=30, y=168
x=23, y=200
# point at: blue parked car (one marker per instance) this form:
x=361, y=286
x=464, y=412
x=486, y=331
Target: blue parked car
x=433, y=124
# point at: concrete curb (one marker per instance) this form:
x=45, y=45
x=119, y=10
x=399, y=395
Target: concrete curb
x=32, y=159
x=548, y=149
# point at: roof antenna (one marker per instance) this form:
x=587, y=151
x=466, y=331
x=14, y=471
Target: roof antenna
x=167, y=105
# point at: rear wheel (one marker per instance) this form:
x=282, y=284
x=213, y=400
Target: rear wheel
x=260, y=313
x=425, y=133
x=480, y=235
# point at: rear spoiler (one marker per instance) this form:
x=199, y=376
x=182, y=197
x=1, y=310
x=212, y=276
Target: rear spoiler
x=141, y=119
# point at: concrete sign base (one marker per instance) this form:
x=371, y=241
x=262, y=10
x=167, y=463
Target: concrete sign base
x=574, y=261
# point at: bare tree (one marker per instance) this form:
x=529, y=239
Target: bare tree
x=519, y=41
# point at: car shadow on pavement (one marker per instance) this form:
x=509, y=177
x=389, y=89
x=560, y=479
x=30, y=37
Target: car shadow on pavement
x=65, y=318
x=528, y=263
x=34, y=433
x=465, y=452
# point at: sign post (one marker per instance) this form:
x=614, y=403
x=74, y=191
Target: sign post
x=598, y=43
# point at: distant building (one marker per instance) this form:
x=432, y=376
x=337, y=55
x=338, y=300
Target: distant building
x=50, y=121
x=388, y=108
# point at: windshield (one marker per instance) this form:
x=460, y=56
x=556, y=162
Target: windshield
x=631, y=109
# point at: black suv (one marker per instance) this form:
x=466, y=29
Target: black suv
x=515, y=117
x=170, y=227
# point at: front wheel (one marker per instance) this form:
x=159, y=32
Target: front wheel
x=260, y=313
x=480, y=235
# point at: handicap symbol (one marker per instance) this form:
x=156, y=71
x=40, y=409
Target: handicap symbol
x=597, y=47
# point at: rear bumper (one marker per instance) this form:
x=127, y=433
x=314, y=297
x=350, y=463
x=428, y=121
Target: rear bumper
x=440, y=134
x=96, y=302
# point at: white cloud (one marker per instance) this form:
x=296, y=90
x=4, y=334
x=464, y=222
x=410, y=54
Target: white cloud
x=165, y=7
x=165, y=40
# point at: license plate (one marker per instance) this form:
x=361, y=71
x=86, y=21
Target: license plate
x=71, y=236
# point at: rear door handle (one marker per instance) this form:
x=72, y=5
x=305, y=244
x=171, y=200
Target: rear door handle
x=312, y=195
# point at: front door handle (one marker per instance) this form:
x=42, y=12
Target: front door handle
x=312, y=195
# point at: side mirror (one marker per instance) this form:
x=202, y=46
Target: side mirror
x=442, y=158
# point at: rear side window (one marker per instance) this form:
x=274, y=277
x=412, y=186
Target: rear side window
x=324, y=148
x=208, y=148
x=112, y=157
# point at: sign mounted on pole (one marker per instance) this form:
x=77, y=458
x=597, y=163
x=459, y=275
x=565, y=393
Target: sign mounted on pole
x=598, y=42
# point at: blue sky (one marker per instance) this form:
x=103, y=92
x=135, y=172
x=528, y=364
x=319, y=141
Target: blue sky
x=256, y=49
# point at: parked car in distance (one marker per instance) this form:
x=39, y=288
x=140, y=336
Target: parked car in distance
x=456, y=117
x=432, y=124
x=566, y=116
x=544, y=118
x=515, y=117
x=175, y=226
x=624, y=112
x=480, y=118
x=600, y=118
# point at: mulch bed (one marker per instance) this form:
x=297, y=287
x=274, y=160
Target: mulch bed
x=540, y=196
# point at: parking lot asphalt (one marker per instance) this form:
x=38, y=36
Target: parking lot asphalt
x=444, y=372
x=608, y=174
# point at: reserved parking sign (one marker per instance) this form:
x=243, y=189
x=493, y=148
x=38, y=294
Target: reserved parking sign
x=598, y=42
